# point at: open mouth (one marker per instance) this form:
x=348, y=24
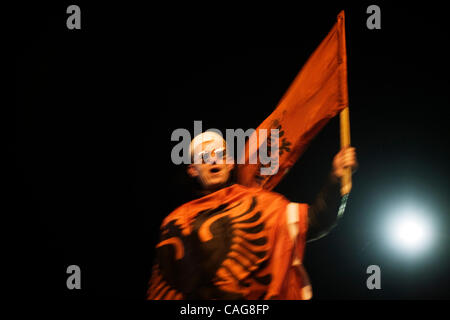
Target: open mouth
x=214, y=170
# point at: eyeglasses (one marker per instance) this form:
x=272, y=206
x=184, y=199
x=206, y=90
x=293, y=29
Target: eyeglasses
x=207, y=157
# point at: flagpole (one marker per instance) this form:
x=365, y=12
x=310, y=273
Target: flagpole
x=346, y=180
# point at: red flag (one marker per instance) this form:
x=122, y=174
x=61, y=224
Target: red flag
x=317, y=94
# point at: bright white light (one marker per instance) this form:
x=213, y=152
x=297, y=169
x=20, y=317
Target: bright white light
x=410, y=230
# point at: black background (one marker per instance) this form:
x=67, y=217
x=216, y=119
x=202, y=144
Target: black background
x=95, y=109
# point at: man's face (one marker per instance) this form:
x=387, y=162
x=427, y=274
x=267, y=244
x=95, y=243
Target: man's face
x=212, y=172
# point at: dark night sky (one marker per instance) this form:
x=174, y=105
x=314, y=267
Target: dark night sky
x=95, y=110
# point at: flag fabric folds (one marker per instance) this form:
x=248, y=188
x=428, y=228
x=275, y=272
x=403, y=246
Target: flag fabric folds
x=233, y=244
x=317, y=94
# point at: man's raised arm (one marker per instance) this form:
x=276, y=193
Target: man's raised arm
x=323, y=212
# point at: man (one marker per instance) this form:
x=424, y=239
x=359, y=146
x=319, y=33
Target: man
x=236, y=242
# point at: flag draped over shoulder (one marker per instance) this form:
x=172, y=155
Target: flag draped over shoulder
x=232, y=244
x=317, y=94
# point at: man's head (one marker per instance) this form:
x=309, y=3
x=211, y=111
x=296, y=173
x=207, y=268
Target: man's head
x=210, y=166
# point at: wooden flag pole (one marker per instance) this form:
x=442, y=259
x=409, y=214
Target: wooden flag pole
x=346, y=180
